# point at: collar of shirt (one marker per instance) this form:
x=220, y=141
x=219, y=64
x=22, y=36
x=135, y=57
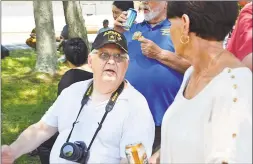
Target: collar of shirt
x=123, y=96
x=157, y=26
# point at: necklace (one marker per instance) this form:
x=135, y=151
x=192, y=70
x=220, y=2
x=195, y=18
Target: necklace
x=205, y=71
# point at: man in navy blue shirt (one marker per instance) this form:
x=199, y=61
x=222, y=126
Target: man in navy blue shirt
x=154, y=69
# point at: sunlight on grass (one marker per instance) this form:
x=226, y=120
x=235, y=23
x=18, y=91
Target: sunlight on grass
x=42, y=76
x=11, y=63
x=14, y=130
x=26, y=95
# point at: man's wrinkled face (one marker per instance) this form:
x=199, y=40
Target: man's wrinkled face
x=152, y=9
x=109, y=63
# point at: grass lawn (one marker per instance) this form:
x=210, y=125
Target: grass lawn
x=25, y=95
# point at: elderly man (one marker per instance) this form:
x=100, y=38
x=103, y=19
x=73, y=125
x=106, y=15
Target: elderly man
x=154, y=69
x=114, y=114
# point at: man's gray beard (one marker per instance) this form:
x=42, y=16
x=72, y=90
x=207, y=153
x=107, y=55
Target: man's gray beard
x=151, y=15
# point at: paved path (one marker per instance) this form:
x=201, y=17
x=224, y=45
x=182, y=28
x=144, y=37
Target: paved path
x=17, y=46
x=13, y=41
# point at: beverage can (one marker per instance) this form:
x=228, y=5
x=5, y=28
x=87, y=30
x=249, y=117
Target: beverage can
x=136, y=154
x=131, y=16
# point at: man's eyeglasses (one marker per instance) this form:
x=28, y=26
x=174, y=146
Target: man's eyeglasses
x=116, y=57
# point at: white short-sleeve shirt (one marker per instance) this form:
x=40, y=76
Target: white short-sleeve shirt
x=213, y=127
x=129, y=122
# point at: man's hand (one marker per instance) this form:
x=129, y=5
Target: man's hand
x=149, y=48
x=168, y=58
x=121, y=19
x=118, y=23
x=123, y=161
x=155, y=158
x=7, y=155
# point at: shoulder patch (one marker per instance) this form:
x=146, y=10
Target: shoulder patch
x=165, y=31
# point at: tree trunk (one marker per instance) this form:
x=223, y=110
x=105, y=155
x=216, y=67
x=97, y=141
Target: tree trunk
x=75, y=21
x=45, y=37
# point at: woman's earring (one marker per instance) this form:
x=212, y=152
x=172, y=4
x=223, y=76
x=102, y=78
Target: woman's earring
x=184, y=39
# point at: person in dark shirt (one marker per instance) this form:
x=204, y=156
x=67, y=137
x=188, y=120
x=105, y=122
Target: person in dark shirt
x=65, y=33
x=76, y=53
x=64, y=36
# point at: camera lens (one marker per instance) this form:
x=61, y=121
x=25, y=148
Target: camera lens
x=75, y=152
x=68, y=151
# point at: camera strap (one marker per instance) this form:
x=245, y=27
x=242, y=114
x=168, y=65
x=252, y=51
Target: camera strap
x=108, y=108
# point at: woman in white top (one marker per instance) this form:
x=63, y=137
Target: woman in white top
x=210, y=120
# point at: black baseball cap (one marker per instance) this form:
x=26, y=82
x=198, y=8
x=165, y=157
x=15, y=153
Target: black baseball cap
x=110, y=37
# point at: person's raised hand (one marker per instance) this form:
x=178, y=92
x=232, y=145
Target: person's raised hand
x=155, y=158
x=121, y=19
x=119, y=22
x=149, y=48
